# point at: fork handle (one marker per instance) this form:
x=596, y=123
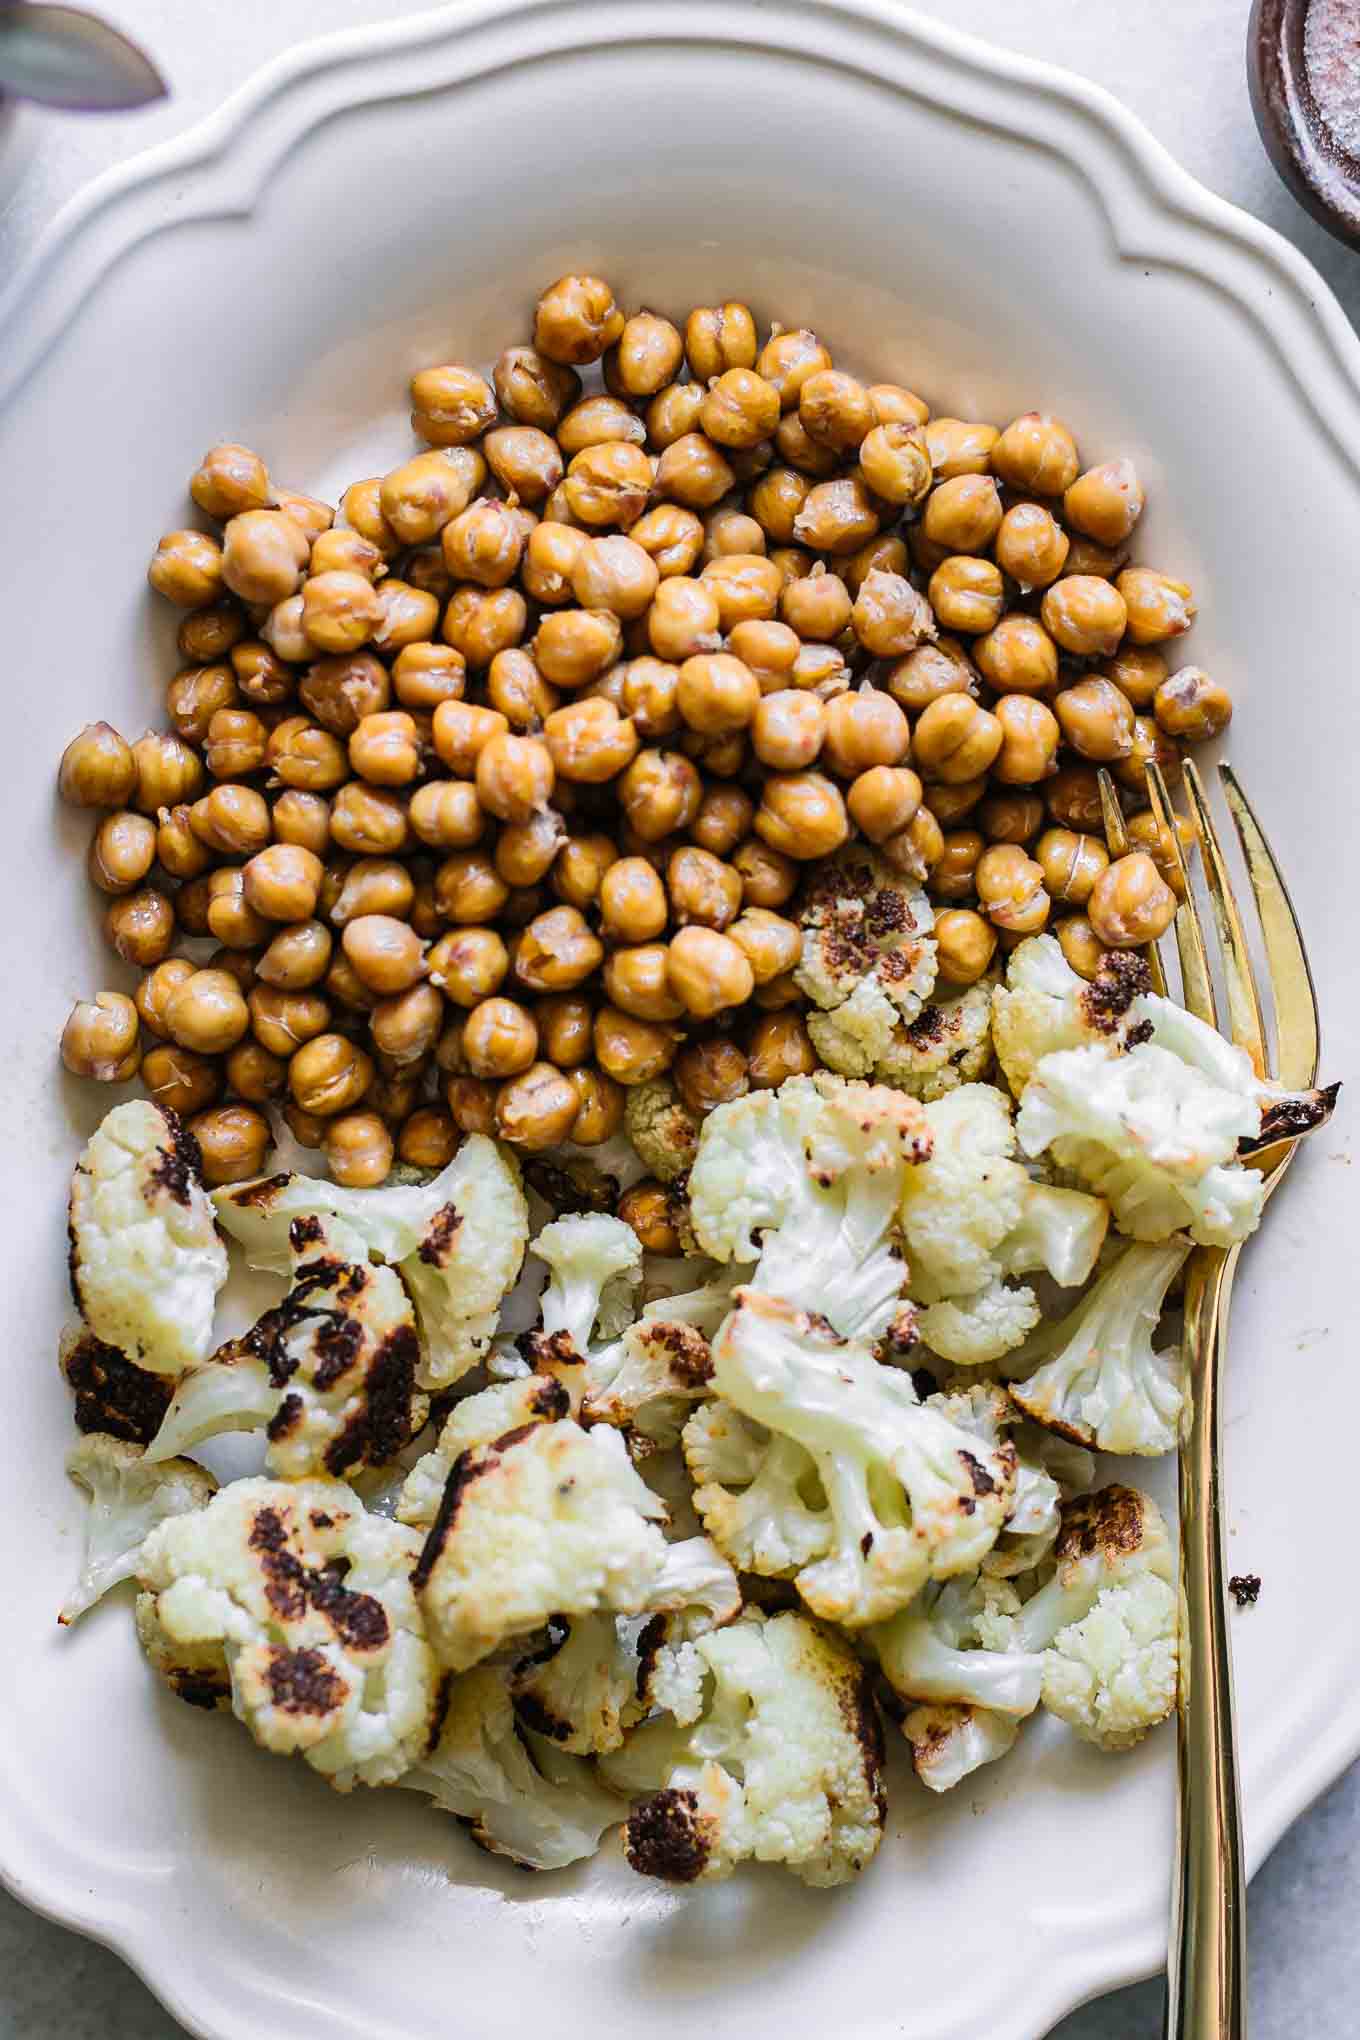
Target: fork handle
x=1206, y=1965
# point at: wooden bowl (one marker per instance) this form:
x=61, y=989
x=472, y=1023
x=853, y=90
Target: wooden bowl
x=1316, y=165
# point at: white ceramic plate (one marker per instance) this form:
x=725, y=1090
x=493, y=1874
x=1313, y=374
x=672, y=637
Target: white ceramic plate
x=996, y=235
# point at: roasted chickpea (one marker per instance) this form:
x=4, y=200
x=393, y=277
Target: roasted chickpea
x=1018, y=656
x=468, y=964
x=964, y=946
x=646, y=356
x=768, y=877
x=650, y=1208
x=525, y=851
x=777, y=1048
x=186, y=568
x=345, y=552
x=740, y=409
x=446, y=814
x=1036, y=453
x=707, y=972
x=168, y=772
x=660, y=793
x=574, y=646
x=788, y=729
x=816, y=606
x=722, y=754
x=472, y=1104
x=359, y=1150
x=283, y=1020
x=822, y=670
x=597, y=421
x=1158, y=608
x=614, y=573
x=298, y=957
x=462, y=729
x=635, y=981
x=533, y=389
x=1071, y=863
x=599, y=1108
x=672, y=413
x=864, y=728
x=775, y=501
x=716, y=692
x=928, y=672
x=883, y=800
x=405, y=1027
x=451, y=407
x=1105, y=503
x=237, y=963
x=191, y=904
x=951, y=804
x=100, y=1039
x=576, y=320
x=1080, y=945
x=1190, y=706
x=1150, y=746
x=794, y=562
x=694, y=472
x=329, y=1075
x=236, y=744
x=302, y=755
x=263, y=557
x=515, y=776
x=1029, y=741
x=588, y=741
x=362, y=508
x=1096, y=719
x=233, y=820
x=608, y=484
x=770, y=944
x=309, y=513
x=837, y=517
x=1131, y=903
x=122, y=852
x=228, y=480
x=1010, y=889
x=788, y=359
x=718, y=338
x=632, y=901
x=256, y=1075
x=340, y=612
x=177, y=1078
x=564, y=1028
x=894, y=461
x=890, y=618
x=630, y=1050
x=283, y=882
x=953, y=875
x=261, y=676
x=536, y=1109
x=140, y=926
x=1085, y=615
x=304, y=819
x=157, y=988
x=1031, y=546
x=745, y=586
x=499, y=1039
x=207, y=1012
x=956, y=739
x=428, y=1139
x=702, y=888
x=384, y=749
x=648, y=690
x=1073, y=799
x=426, y=675
x=798, y=450
x=802, y=815
x=1145, y=832
x=557, y=951
x=387, y=953
x=672, y=539
x=960, y=446
x=233, y=1142
x=730, y=533
x=967, y=594
x=963, y=515
x=407, y=615
x=195, y=696
x=1136, y=672
x=579, y=868
x=484, y=544
x=1011, y=817
x=468, y=889
x=479, y=622
x=710, y=1073
x=208, y=634
x=371, y=885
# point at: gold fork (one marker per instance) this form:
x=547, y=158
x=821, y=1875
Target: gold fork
x=1206, y=1973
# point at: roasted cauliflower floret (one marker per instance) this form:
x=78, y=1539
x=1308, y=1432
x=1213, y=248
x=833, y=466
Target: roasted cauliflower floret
x=784, y=1765
x=1093, y=1376
x=112, y=1394
x=949, y=1743
x=458, y=1240
x=868, y=958
x=311, y=1602
x=519, y=1795
x=1044, y=1005
x=195, y=1672
x=932, y=1650
x=477, y=1420
x=948, y=1043
x=911, y=1496
x=546, y=1520
x=595, y=1269
x=128, y=1498
x=146, y=1262
x=328, y=1374
x=807, y=1180
x=663, y=1130
x=666, y=1366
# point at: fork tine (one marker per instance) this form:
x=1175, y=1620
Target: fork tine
x=1117, y=840
x=1291, y=981
x=1245, y=1023
x=1197, y=984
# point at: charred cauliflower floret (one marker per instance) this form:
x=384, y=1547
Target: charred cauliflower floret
x=476, y=1420
x=594, y=1272
x=911, y=1496
x=868, y=960
x=310, y=1601
x=947, y=1044
x=784, y=1764
x=146, y=1262
x=195, y=1672
x=113, y=1395
x=665, y=1366
x=128, y=1498
x=546, y=1520
x=458, y=1241
x=1044, y=1005
x=329, y=1374
x=948, y=1743
x=663, y=1130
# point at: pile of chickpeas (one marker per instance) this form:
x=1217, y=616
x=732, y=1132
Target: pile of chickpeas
x=495, y=789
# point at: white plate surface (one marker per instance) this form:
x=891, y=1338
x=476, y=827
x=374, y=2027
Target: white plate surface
x=996, y=235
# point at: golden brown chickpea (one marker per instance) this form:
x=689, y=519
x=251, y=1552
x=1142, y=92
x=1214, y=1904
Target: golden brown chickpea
x=1158, y=608
x=98, y=770
x=802, y=815
x=484, y=544
x=692, y=471
x=1037, y=453
x=707, y=972
x=952, y=878
x=340, y=611
x=1131, y=903
x=646, y=356
x=425, y=675
x=207, y=1012
x=576, y=320
x=140, y=926
x=187, y=569
x=468, y=889
x=1031, y=546
x=890, y=618
x=650, y=1208
x=776, y=500
x=533, y=389
x=100, y=1039
x=359, y=1150
x=345, y=552
x=195, y=695
x=479, y=622
x=1029, y=741
x=1018, y=656
x=722, y=755
x=557, y=951
x=817, y=606
x=451, y=406
x=384, y=749
x=462, y=730
x=788, y=359
x=168, y=772
x=968, y=594
x=672, y=413
x=770, y=944
x=184, y=1082
x=683, y=621
x=796, y=449
x=1086, y=557
x=362, y=508
x=730, y=533
x=1011, y=817
x=264, y=554
x=233, y=820
x=788, y=729
x=599, y=1108
x=1080, y=945
x=515, y=776
x=716, y=692
x=1073, y=799
x=574, y=646
x=419, y=499
x=236, y=744
x=386, y=953
x=122, y=852
x=777, y=1048
x=1071, y=863
x=369, y=820
x=835, y=410
x=256, y=1075
x=191, y=905
x=895, y=405
x=608, y=484
x=956, y=739
x=768, y=877
x=648, y=690
x=472, y=1104
x=446, y=814
x=1010, y=889
x=1105, y=503
x=960, y=446
x=822, y=669
x=405, y=1027
x=1145, y=832
x=468, y=964
x=238, y=965
x=536, y=1109
x=964, y=946
x=928, y=672
x=370, y=885
x=157, y=988
x=428, y=1139
x=864, y=728
x=564, y=1028
x=739, y=409
x=838, y=516
x=406, y=616
x=262, y=677
x=951, y=804
x=1096, y=719
x=635, y=981
x=1136, y=672
x=309, y=513
x=745, y=586
x=303, y=755
x=282, y=1021
x=672, y=539
x=598, y=421
x=1151, y=746
x=233, y=1141
x=702, y=888
x=1085, y=615
x=579, y=868
x=630, y=1050
x=632, y=902
x=303, y=818
x=794, y=562
x=283, y=882
x=710, y=1073
x=718, y=338
x=230, y=917
x=894, y=461
x=282, y=631
x=525, y=851
x=659, y=793
x=883, y=801
x=964, y=514
x=329, y=1075
x=228, y=480
x=298, y=957
x=207, y=634
x=614, y=573
x=499, y=1038
x=1190, y=706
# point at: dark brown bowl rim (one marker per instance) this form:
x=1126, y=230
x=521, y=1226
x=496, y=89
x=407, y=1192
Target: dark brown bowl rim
x=1321, y=175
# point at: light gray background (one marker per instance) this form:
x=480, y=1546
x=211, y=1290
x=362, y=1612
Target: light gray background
x=1180, y=65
